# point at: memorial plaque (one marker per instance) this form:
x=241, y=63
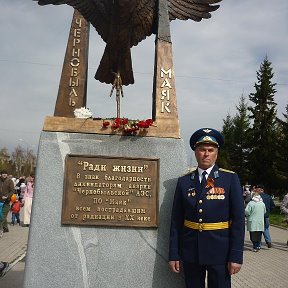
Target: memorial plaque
x=110, y=191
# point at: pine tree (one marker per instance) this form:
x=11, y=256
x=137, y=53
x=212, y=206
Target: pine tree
x=241, y=137
x=263, y=153
x=224, y=158
x=282, y=151
x=236, y=130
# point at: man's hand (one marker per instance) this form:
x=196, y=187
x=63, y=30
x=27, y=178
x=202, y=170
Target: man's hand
x=233, y=268
x=174, y=266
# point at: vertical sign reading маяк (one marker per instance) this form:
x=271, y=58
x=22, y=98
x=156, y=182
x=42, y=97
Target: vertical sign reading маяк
x=110, y=191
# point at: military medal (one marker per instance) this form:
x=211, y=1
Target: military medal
x=191, y=192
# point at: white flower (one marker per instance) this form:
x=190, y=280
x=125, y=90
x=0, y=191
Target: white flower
x=82, y=113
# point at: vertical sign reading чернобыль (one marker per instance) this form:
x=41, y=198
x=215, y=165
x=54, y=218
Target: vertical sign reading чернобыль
x=72, y=92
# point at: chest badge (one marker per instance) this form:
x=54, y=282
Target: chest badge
x=191, y=192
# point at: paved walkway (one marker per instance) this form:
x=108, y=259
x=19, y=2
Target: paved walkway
x=267, y=268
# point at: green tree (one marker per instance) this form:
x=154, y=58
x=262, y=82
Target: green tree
x=262, y=160
x=282, y=151
x=224, y=158
x=241, y=137
x=236, y=131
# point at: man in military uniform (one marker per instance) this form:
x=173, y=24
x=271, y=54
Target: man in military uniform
x=207, y=221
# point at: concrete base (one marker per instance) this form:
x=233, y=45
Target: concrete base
x=102, y=257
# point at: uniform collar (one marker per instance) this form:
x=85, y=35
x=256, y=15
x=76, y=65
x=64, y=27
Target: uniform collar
x=214, y=170
x=200, y=170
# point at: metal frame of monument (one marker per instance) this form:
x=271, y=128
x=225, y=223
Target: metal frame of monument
x=73, y=84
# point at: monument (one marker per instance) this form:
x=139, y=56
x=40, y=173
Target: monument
x=103, y=193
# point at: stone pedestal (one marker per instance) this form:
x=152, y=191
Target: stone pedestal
x=102, y=257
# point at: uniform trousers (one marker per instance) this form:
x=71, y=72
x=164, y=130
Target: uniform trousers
x=195, y=274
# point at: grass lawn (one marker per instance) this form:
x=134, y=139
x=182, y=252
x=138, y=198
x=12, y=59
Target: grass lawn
x=276, y=218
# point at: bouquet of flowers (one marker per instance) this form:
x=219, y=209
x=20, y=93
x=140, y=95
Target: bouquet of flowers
x=126, y=125
x=82, y=113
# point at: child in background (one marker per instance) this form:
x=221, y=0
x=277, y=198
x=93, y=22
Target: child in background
x=15, y=209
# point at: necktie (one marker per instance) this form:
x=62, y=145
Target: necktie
x=203, y=180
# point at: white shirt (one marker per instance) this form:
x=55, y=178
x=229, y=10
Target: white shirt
x=200, y=171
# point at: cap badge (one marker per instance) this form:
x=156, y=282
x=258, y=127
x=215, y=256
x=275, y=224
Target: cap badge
x=207, y=130
x=207, y=138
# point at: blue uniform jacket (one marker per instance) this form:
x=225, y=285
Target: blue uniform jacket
x=190, y=203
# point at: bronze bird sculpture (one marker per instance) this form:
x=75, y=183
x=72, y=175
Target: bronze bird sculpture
x=122, y=24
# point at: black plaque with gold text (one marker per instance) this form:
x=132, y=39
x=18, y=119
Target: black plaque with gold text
x=110, y=191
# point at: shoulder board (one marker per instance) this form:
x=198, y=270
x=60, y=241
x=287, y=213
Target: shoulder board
x=190, y=170
x=225, y=170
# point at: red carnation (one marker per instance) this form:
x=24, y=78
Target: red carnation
x=106, y=124
x=124, y=121
x=115, y=126
x=149, y=122
x=117, y=120
x=141, y=124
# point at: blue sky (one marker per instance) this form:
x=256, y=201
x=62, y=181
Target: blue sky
x=215, y=61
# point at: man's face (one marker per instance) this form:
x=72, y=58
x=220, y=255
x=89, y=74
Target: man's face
x=206, y=155
x=4, y=176
x=259, y=190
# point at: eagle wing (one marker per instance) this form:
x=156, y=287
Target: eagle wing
x=140, y=16
x=191, y=9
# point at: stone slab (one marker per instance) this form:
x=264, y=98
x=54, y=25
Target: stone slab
x=102, y=257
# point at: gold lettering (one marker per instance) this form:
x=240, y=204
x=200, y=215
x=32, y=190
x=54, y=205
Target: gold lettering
x=79, y=22
x=166, y=84
x=77, y=33
x=92, y=167
x=143, y=194
x=74, y=72
x=74, y=216
x=72, y=103
x=165, y=93
x=163, y=71
x=84, y=209
x=164, y=106
x=76, y=52
x=75, y=62
x=76, y=41
x=127, y=169
x=143, y=218
x=73, y=83
x=73, y=93
x=129, y=217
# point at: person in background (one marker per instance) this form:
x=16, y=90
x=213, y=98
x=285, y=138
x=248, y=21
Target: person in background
x=20, y=188
x=7, y=189
x=247, y=194
x=255, y=211
x=15, y=209
x=28, y=199
x=207, y=221
x=269, y=203
x=284, y=208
